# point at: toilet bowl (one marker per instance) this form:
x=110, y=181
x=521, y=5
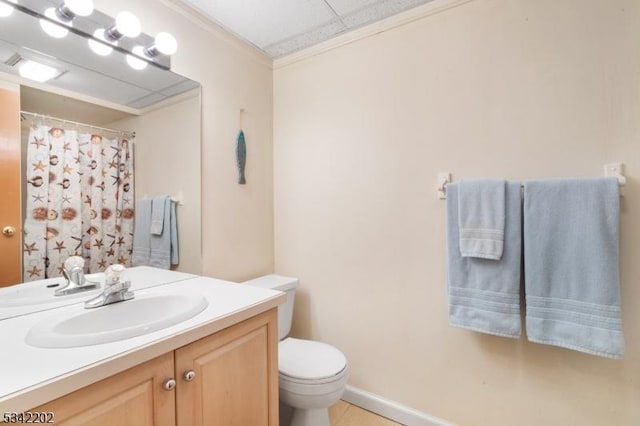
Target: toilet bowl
x=312, y=375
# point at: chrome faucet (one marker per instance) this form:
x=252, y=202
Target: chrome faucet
x=76, y=281
x=116, y=289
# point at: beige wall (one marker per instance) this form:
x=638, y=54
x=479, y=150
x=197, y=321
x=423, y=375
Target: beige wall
x=237, y=221
x=512, y=88
x=167, y=161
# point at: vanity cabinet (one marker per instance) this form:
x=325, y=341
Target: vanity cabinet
x=133, y=397
x=235, y=376
x=227, y=378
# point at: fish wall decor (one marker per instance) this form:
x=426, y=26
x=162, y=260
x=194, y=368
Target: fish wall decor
x=241, y=157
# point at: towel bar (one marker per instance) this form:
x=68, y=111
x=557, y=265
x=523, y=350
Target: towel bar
x=614, y=169
x=176, y=199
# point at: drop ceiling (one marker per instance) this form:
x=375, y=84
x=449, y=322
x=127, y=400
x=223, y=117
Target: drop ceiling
x=281, y=27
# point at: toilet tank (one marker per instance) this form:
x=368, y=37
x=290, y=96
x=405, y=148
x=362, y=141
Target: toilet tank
x=285, y=311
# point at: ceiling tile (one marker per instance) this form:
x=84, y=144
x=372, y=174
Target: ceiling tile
x=148, y=100
x=266, y=22
x=379, y=11
x=99, y=86
x=306, y=39
x=280, y=27
x=176, y=89
x=342, y=7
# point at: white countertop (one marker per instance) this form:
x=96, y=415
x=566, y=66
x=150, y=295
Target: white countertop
x=31, y=376
x=141, y=277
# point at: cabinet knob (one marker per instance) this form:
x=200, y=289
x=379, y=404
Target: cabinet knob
x=8, y=231
x=189, y=375
x=169, y=384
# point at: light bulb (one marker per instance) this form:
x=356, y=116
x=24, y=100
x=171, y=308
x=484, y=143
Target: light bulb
x=37, y=71
x=137, y=63
x=97, y=47
x=80, y=7
x=128, y=24
x=5, y=9
x=54, y=30
x=166, y=43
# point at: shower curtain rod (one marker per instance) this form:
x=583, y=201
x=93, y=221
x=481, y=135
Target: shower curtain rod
x=48, y=117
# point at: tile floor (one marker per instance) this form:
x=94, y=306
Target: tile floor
x=345, y=414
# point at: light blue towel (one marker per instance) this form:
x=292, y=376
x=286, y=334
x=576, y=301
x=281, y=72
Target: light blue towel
x=161, y=245
x=484, y=295
x=481, y=212
x=571, y=264
x=141, y=232
x=175, y=258
x=157, y=214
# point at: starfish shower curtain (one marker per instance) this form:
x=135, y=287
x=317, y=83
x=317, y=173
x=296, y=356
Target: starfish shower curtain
x=80, y=201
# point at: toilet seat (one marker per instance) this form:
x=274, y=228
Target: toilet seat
x=331, y=387
x=307, y=361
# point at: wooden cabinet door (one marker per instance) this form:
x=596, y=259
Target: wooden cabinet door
x=135, y=397
x=10, y=210
x=236, y=376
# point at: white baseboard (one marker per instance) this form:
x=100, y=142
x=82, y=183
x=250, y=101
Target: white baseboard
x=390, y=409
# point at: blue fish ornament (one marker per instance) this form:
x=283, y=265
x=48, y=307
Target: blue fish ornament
x=241, y=157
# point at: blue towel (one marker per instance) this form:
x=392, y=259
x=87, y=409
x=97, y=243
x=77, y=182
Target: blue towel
x=484, y=295
x=162, y=254
x=481, y=212
x=141, y=232
x=175, y=258
x=157, y=214
x=571, y=264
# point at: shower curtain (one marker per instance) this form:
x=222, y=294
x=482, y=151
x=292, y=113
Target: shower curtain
x=80, y=201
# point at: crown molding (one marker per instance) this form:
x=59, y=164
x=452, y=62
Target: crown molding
x=421, y=12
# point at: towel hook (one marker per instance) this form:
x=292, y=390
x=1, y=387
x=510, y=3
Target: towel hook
x=443, y=179
x=241, y=113
x=178, y=198
x=616, y=170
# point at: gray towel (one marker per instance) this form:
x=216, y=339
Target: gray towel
x=175, y=258
x=484, y=295
x=571, y=264
x=160, y=245
x=141, y=232
x=481, y=218
x=157, y=214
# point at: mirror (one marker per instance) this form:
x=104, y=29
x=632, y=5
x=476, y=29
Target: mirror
x=104, y=97
x=108, y=78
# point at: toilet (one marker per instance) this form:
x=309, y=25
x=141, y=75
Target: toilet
x=312, y=375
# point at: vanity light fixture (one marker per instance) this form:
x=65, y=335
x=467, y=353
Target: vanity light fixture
x=64, y=14
x=72, y=8
x=103, y=33
x=54, y=30
x=134, y=62
x=6, y=9
x=98, y=48
x=37, y=72
x=127, y=24
x=163, y=43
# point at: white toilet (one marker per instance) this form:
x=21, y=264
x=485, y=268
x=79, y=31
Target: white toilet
x=313, y=375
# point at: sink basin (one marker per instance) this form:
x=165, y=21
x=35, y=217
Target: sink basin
x=41, y=293
x=144, y=314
